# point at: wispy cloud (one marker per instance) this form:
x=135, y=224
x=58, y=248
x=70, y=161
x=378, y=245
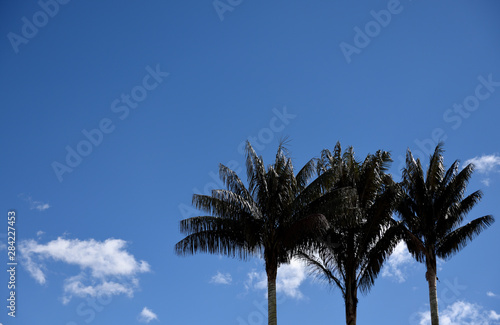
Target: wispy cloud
x=221, y=278
x=106, y=268
x=256, y=280
x=462, y=312
x=147, y=315
x=490, y=294
x=290, y=277
x=41, y=206
x=485, y=164
x=75, y=286
x=34, y=204
x=493, y=315
x=34, y=269
x=397, y=263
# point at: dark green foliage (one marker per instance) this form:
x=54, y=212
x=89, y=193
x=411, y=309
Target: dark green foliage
x=358, y=199
x=434, y=206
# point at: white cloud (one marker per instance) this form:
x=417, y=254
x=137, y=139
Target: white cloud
x=101, y=258
x=397, y=263
x=485, y=163
x=221, y=278
x=42, y=206
x=256, y=280
x=486, y=181
x=493, y=315
x=39, y=233
x=32, y=267
x=75, y=286
x=462, y=313
x=290, y=277
x=147, y=315
x=106, y=268
x=38, y=205
x=490, y=294
x=2, y=246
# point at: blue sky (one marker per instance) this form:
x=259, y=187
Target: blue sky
x=115, y=113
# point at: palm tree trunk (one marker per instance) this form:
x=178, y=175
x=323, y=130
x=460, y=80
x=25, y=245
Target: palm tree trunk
x=351, y=302
x=431, y=276
x=431, y=279
x=271, y=298
x=350, y=313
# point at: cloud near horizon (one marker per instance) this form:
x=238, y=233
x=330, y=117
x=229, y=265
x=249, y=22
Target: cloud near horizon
x=106, y=268
x=462, y=313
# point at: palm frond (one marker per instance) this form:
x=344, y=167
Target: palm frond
x=456, y=213
x=214, y=242
x=378, y=220
x=319, y=269
x=435, y=172
x=304, y=232
x=233, y=182
x=224, y=206
x=415, y=245
x=256, y=173
x=305, y=174
x=206, y=223
x=377, y=255
x=459, y=238
x=454, y=191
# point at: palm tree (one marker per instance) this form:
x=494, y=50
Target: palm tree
x=267, y=219
x=432, y=209
x=358, y=200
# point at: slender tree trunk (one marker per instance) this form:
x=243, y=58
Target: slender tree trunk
x=271, y=298
x=431, y=276
x=351, y=303
x=350, y=312
x=431, y=279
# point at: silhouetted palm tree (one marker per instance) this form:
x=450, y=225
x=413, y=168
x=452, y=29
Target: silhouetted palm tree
x=432, y=208
x=358, y=200
x=267, y=219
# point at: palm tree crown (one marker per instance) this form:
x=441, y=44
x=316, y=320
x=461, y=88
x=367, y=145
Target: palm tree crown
x=358, y=200
x=432, y=208
x=268, y=219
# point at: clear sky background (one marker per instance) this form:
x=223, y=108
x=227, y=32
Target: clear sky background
x=167, y=90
